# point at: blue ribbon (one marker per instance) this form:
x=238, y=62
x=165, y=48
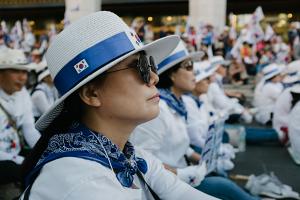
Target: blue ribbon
x=96, y=57
x=172, y=58
x=272, y=71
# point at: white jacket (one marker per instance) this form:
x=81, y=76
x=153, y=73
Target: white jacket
x=294, y=130
x=282, y=109
x=266, y=101
x=197, y=122
x=19, y=106
x=73, y=178
x=165, y=137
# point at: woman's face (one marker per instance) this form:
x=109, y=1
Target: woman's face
x=202, y=86
x=184, y=79
x=125, y=96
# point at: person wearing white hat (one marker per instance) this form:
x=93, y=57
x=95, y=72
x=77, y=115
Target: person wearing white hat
x=293, y=124
x=17, y=123
x=106, y=79
x=44, y=93
x=283, y=106
x=217, y=96
x=199, y=119
x=267, y=92
x=166, y=136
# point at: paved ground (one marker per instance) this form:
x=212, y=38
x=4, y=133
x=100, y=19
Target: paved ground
x=267, y=158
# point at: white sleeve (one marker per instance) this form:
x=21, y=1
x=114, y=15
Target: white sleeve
x=150, y=135
x=40, y=101
x=218, y=98
x=31, y=135
x=272, y=92
x=166, y=184
x=95, y=189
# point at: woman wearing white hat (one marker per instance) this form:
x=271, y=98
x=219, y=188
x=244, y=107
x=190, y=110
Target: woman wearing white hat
x=44, y=93
x=166, y=136
x=267, y=92
x=106, y=79
x=283, y=104
x=16, y=119
x=293, y=124
x=217, y=96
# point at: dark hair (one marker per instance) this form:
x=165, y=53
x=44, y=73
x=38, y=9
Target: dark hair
x=165, y=81
x=71, y=112
x=295, y=98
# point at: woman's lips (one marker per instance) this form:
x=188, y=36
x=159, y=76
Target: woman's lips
x=154, y=97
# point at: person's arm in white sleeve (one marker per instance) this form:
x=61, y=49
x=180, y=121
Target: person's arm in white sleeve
x=31, y=135
x=39, y=99
x=218, y=98
x=167, y=185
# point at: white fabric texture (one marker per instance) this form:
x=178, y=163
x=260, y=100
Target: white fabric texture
x=19, y=106
x=282, y=109
x=197, y=121
x=294, y=129
x=266, y=101
x=42, y=98
x=165, y=137
x=76, y=179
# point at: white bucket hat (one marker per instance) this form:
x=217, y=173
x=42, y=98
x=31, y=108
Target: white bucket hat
x=203, y=70
x=13, y=59
x=291, y=72
x=42, y=70
x=272, y=70
x=87, y=48
x=219, y=60
x=179, y=54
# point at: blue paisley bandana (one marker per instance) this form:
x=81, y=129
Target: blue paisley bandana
x=80, y=142
x=172, y=101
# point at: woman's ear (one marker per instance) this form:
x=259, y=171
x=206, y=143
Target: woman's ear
x=90, y=95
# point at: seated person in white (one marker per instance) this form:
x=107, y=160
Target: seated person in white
x=166, y=136
x=217, y=96
x=17, y=123
x=293, y=125
x=43, y=94
x=267, y=93
x=283, y=104
x=106, y=78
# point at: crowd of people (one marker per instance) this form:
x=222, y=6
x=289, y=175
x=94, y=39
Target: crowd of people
x=93, y=112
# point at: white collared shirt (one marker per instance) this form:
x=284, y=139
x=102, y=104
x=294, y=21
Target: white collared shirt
x=197, y=121
x=282, y=109
x=72, y=178
x=266, y=101
x=19, y=106
x=165, y=137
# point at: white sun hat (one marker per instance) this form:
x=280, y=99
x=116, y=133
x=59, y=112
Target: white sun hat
x=296, y=87
x=272, y=70
x=90, y=46
x=291, y=72
x=179, y=54
x=219, y=60
x=13, y=59
x=203, y=70
x=42, y=70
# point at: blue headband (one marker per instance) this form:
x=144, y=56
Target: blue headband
x=90, y=60
x=172, y=58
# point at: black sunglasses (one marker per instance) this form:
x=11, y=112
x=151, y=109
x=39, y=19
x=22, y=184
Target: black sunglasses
x=144, y=67
x=187, y=65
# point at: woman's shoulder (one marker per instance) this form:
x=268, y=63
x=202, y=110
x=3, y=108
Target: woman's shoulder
x=62, y=177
